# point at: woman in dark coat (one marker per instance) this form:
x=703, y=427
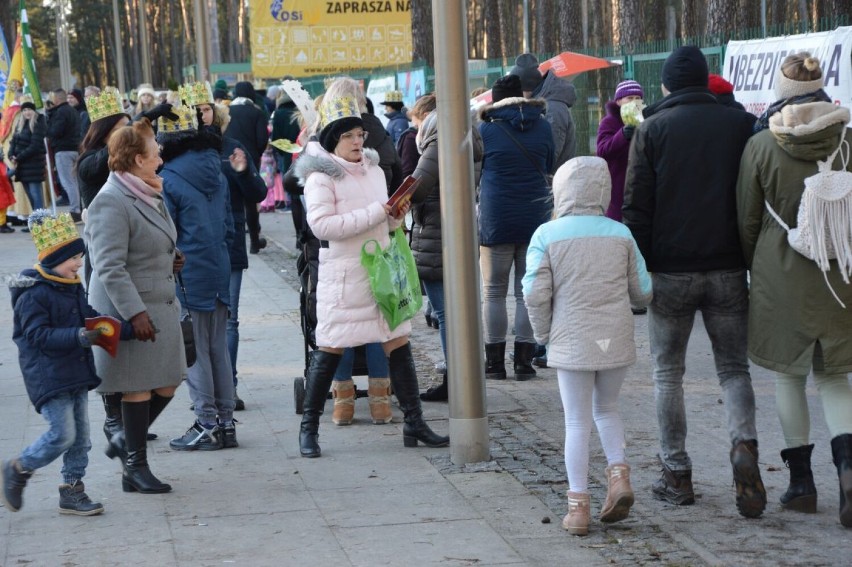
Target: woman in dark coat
x=27, y=154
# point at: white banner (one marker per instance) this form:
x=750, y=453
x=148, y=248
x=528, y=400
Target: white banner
x=751, y=66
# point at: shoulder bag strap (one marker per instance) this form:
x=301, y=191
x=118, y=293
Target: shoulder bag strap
x=523, y=150
x=183, y=292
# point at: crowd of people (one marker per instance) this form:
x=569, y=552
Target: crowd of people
x=685, y=208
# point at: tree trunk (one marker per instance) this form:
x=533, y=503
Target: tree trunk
x=838, y=8
x=493, y=41
x=509, y=27
x=721, y=18
x=748, y=15
x=423, y=46
x=570, y=25
x=803, y=15
x=627, y=20
x=214, y=50
x=544, y=30
x=691, y=24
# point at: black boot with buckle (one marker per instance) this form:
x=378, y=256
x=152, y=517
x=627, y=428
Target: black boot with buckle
x=801, y=494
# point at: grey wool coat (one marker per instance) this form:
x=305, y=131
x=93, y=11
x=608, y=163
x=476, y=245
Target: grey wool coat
x=132, y=249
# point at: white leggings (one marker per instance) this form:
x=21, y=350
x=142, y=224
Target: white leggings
x=792, y=405
x=588, y=395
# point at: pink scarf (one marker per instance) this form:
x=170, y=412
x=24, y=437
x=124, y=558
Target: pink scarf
x=148, y=191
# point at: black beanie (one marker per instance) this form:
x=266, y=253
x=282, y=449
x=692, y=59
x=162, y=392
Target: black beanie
x=330, y=135
x=245, y=90
x=506, y=87
x=685, y=67
x=526, y=68
x=27, y=105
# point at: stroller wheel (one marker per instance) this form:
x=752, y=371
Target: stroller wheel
x=299, y=394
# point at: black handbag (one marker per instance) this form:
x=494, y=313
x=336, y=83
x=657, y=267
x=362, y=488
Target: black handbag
x=186, y=329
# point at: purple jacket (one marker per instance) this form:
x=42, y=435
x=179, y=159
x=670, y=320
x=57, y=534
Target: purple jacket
x=614, y=147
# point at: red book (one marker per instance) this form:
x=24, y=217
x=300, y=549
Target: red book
x=403, y=194
x=110, y=328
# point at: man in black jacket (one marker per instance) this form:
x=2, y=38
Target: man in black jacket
x=680, y=205
x=63, y=133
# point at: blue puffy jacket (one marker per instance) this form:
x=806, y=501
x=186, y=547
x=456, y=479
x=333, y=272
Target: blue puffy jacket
x=196, y=193
x=514, y=194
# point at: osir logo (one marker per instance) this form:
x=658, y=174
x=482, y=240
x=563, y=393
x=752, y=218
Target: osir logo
x=280, y=12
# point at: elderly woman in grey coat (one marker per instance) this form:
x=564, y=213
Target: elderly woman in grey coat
x=132, y=246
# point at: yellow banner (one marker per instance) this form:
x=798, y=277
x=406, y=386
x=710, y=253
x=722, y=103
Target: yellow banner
x=313, y=37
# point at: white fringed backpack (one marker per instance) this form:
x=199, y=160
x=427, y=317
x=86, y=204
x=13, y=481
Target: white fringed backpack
x=824, y=219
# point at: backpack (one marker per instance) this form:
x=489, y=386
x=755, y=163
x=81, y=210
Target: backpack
x=824, y=219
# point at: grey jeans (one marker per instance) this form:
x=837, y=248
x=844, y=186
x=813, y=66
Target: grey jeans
x=210, y=379
x=495, y=263
x=722, y=298
x=68, y=178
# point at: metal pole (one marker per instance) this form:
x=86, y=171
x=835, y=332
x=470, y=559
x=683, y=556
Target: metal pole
x=584, y=16
x=468, y=416
x=526, y=25
x=143, y=37
x=763, y=16
x=200, y=16
x=119, y=52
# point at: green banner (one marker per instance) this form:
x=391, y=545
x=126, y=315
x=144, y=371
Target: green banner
x=30, y=79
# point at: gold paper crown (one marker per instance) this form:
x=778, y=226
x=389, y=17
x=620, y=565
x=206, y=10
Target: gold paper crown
x=106, y=104
x=332, y=110
x=186, y=121
x=193, y=94
x=51, y=233
x=393, y=96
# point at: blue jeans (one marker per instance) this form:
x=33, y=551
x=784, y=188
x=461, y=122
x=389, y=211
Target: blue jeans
x=34, y=192
x=722, y=298
x=435, y=293
x=496, y=262
x=68, y=417
x=377, y=362
x=233, y=328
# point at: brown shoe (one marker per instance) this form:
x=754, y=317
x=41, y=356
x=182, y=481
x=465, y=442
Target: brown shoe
x=751, y=495
x=576, y=521
x=378, y=391
x=343, y=392
x=674, y=487
x=619, y=494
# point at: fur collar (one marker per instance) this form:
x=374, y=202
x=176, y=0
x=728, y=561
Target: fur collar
x=798, y=120
x=512, y=101
x=323, y=162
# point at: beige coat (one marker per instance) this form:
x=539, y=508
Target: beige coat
x=132, y=248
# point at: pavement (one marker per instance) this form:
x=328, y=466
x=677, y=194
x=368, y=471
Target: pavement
x=369, y=501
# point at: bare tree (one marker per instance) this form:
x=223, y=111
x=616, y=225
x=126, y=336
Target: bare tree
x=570, y=25
x=721, y=17
x=509, y=27
x=423, y=46
x=493, y=42
x=545, y=32
x=627, y=24
x=748, y=15
x=691, y=19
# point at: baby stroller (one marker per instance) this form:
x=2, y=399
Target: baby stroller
x=307, y=266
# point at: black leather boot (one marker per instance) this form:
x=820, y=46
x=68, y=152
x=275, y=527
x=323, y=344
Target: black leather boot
x=116, y=446
x=801, y=495
x=437, y=393
x=317, y=384
x=495, y=361
x=841, y=450
x=137, y=476
x=524, y=353
x=403, y=376
x=112, y=421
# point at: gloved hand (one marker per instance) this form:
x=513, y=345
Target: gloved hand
x=628, y=131
x=143, y=327
x=162, y=109
x=87, y=337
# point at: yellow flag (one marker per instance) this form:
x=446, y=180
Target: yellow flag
x=16, y=74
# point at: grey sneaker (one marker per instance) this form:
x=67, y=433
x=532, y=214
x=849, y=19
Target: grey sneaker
x=198, y=437
x=14, y=479
x=74, y=500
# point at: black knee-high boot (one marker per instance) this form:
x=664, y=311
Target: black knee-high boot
x=403, y=377
x=317, y=384
x=137, y=476
x=116, y=446
x=112, y=408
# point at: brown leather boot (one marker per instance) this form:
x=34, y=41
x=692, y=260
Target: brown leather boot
x=378, y=390
x=343, y=392
x=619, y=494
x=674, y=486
x=751, y=495
x=576, y=521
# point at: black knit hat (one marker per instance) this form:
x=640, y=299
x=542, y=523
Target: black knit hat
x=27, y=105
x=506, y=87
x=526, y=68
x=330, y=135
x=685, y=67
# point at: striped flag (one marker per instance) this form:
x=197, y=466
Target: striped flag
x=30, y=79
x=15, y=79
x=5, y=64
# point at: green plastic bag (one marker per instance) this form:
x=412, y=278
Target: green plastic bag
x=393, y=278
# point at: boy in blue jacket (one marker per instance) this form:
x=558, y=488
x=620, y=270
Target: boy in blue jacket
x=54, y=351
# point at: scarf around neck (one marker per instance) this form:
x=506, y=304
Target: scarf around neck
x=147, y=190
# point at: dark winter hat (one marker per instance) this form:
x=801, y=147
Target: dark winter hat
x=628, y=88
x=330, y=135
x=685, y=67
x=78, y=94
x=526, y=69
x=220, y=94
x=221, y=84
x=27, y=105
x=506, y=87
x=55, y=237
x=244, y=89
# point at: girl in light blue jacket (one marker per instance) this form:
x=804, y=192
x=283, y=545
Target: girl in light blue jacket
x=583, y=272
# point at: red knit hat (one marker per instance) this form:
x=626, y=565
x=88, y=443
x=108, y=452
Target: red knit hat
x=718, y=85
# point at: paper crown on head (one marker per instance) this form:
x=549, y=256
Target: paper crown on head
x=331, y=110
x=392, y=96
x=51, y=233
x=106, y=104
x=187, y=120
x=193, y=94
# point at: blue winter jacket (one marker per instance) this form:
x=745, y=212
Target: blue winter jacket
x=48, y=314
x=198, y=199
x=397, y=124
x=514, y=194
